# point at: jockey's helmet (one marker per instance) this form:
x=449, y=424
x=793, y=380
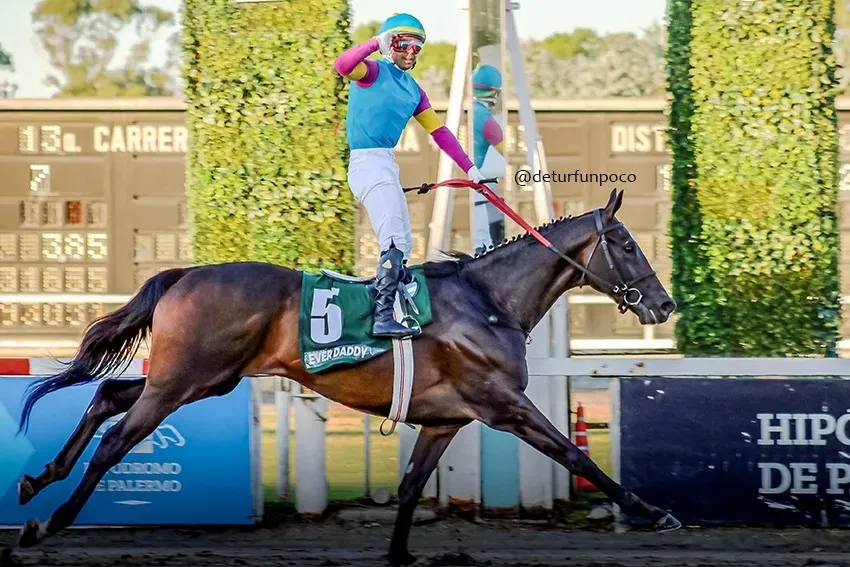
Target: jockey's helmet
x=403, y=25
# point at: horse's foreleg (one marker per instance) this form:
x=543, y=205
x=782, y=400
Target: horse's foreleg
x=518, y=415
x=112, y=397
x=430, y=446
x=142, y=419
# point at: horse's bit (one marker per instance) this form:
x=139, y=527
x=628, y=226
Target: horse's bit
x=627, y=295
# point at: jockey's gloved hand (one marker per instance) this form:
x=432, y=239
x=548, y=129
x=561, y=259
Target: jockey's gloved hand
x=385, y=41
x=474, y=174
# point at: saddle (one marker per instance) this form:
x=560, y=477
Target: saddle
x=335, y=327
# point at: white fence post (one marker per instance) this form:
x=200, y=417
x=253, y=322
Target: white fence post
x=460, y=468
x=614, y=432
x=282, y=401
x=256, y=437
x=560, y=393
x=311, y=478
x=535, y=469
x=406, y=441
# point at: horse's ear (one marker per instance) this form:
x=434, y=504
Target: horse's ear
x=615, y=200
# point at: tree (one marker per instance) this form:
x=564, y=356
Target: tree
x=618, y=65
x=581, y=41
x=614, y=65
x=365, y=31
x=437, y=59
x=7, y=68
x=81, y=38
x=174, y=58
x=754, y=138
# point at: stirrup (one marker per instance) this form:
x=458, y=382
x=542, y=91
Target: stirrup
x=414, y=326
x=407, y=298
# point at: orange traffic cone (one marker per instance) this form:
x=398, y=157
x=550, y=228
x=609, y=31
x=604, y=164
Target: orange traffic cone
x=580, y=440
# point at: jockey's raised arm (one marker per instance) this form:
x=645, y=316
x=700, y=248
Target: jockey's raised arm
x=354, y=62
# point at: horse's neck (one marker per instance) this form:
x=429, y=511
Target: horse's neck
x=523, y=279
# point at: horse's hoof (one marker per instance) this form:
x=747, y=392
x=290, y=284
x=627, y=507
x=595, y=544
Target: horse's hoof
x=29, y=535
x=668, y=523
x=26, y=491
x=400, y=558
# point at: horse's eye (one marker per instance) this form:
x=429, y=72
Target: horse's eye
x=629, y=248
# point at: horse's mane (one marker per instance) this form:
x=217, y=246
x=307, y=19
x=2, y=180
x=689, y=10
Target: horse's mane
x=454, y=261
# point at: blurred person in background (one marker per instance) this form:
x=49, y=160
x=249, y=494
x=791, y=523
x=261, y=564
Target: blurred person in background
x=487, y=139
x=382, y=100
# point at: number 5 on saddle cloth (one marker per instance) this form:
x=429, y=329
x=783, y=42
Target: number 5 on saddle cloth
x=335, y=326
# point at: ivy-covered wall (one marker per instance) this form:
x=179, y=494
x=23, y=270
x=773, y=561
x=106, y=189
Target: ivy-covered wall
x=754, y=141
x=266, y=115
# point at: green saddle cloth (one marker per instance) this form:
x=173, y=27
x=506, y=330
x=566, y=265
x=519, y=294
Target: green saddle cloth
x=335, y=322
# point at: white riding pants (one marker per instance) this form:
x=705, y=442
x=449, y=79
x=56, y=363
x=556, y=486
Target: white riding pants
x=484, y=214
x=373, y=176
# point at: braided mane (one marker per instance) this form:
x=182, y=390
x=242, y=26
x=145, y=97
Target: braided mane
x=455, y=260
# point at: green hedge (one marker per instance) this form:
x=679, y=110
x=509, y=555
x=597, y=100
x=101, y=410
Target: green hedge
x=754, y=237
x=266, y=114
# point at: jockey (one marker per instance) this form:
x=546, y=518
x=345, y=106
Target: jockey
x=486, y=89
x=382, y=99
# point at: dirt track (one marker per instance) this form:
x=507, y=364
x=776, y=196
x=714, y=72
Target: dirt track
x=493, y=543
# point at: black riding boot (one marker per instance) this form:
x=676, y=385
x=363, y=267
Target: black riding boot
x=386, y=285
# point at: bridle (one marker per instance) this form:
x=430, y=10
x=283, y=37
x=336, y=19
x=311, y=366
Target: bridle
x=624, y=292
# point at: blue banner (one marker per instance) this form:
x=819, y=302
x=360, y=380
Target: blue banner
x=198, y=467
x=746, y=451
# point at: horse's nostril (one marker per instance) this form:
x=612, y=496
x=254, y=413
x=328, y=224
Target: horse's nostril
x=668, y=307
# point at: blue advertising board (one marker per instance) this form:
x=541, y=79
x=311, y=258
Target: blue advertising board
x=199, y=466
x=738, y=451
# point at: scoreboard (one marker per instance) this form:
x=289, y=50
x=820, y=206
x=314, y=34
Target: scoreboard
x=92, y=203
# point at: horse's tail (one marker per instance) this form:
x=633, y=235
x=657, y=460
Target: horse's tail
x=109, y=342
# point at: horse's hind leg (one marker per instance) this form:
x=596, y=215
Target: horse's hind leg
x=518, y=415
x=431, y=443
x=142, y=419
x=113, y=396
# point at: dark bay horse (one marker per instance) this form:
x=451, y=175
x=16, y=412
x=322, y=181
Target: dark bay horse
x=210, y=326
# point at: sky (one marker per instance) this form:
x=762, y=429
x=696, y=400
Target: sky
x=534, y=19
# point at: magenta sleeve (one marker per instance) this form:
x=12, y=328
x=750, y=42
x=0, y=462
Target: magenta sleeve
x=348, y=60
x=492, y=132
x=449, y=144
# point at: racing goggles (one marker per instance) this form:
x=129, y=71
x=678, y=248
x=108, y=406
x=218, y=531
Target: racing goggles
x=403, y=44
x=487, y=90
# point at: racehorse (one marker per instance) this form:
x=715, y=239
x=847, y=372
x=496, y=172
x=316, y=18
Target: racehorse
x=212, y=325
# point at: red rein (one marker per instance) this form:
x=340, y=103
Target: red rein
x=497, y=201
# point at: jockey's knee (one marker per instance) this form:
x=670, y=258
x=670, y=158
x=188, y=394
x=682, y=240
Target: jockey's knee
x=402, y=241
